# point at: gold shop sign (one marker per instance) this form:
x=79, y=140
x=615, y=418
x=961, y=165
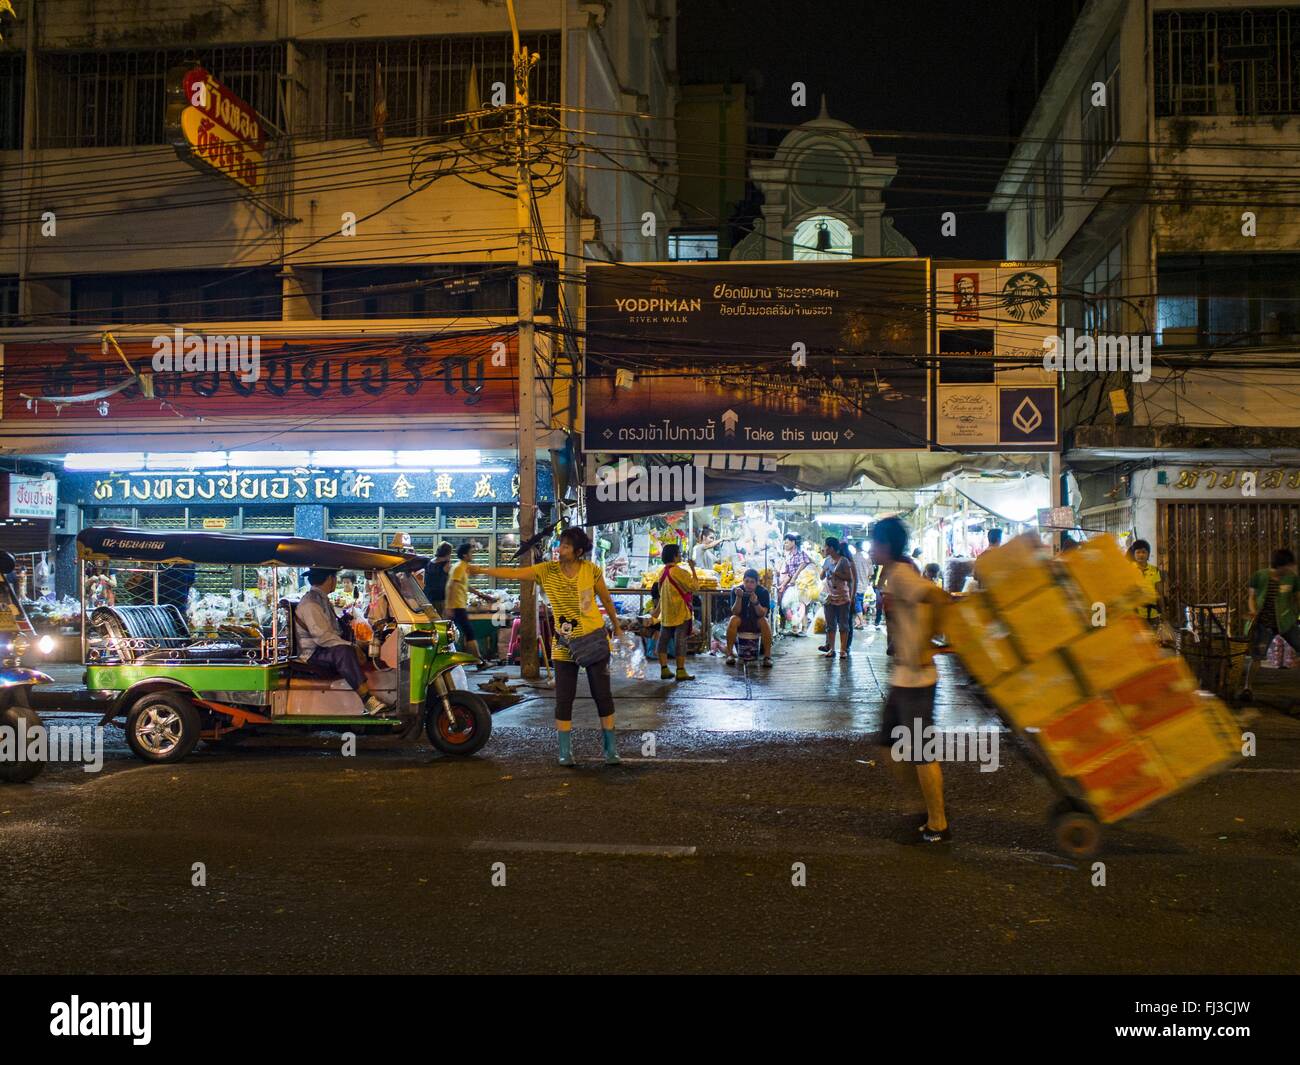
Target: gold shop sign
x=1239, y=479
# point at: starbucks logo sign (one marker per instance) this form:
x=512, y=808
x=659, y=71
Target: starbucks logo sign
x=1027, y=296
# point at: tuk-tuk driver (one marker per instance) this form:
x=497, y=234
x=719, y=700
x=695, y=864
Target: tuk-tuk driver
x=319, y=641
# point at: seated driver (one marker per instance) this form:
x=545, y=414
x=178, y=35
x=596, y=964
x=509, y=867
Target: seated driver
x=319, y=641
x=750, y=608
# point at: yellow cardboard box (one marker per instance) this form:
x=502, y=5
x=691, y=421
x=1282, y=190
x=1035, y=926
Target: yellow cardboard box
x=1197, y=741
x=1111, y=654
x=1013, y=571
x=1121, y=784
x=982, y=642
x=1103, y=573
x=1044, y=621
x=1036, y=693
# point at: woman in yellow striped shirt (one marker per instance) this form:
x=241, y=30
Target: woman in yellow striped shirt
x=573, y=585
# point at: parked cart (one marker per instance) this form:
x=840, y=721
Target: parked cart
x=1114, y=721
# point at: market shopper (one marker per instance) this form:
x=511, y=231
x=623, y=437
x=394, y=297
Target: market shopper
x=751, y=607
x=913, y=679
x=787, y=592
x=435, y=578
x=839, y=596
x=1274, y=601
x=672, y=598
x=862, y=570
x=458, y=593
x=573, y=585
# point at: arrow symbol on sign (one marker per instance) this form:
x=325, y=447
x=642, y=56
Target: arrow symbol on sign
x=729, y=420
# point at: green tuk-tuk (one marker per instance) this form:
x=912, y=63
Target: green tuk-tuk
x=191, y=635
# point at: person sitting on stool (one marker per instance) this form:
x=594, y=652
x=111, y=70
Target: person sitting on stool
x=750, y=606
x=319, y=641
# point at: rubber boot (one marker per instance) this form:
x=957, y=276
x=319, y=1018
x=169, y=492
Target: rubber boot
x=611, y=747
x=566, y=746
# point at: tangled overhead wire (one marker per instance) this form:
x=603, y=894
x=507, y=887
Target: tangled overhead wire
x=486, y=153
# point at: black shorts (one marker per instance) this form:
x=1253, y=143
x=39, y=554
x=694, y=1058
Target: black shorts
x=460, y=616
x=906, y=707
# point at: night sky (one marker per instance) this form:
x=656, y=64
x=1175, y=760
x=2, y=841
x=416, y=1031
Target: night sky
x=917, y=66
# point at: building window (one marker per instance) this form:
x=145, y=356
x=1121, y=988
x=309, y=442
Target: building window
x=1228, y=300
x=1053, y=188
x=118, y=99
x=692, y=247
x=1100, y=125
x=177, y=296
x=430, y=291
x=1231, y=62
x=425, y=84
x=1102, y=310
x=822, y=237
x=8, y=301
x=11, y=103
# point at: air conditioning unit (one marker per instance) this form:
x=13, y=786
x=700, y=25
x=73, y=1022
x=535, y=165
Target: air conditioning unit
x=65, y=521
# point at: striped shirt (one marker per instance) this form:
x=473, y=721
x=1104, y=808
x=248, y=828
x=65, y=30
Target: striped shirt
x=573, y=599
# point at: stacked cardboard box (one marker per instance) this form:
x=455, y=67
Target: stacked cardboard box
x=1056, y=645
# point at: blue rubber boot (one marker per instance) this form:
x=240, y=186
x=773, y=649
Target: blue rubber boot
x=566, y=747
x=611, y=747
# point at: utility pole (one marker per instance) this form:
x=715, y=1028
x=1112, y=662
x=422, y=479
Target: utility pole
x=523, y=62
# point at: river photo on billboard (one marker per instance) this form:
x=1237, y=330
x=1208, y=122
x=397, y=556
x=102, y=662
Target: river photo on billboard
x=757, y=356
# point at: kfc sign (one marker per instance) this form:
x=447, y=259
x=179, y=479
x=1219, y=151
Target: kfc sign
x=214, y=129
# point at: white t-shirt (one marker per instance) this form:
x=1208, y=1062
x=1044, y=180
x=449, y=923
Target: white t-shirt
x=862, y=563
x=910, y=623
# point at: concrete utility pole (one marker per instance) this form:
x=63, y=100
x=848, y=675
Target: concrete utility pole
x=527, y=305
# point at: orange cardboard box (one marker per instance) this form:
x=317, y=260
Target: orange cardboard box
x=1013, y=571
x=1102, y=572
x=1165, y=690
x=980, y=640
x=1197, y=741
x=1084, y=734
x=1131, y=778
x=1111, y=654
x=1037, y=692
x=1045, y=620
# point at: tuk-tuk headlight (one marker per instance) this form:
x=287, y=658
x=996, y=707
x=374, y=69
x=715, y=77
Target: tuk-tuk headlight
x=45, y=644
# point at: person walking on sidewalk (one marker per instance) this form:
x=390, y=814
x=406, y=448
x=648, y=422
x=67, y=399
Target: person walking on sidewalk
x=573, y=585
x=909, y=706
x=458, y=593
x=435, y=578
x=1274, y=605
x=839, y=596
x=672, y=596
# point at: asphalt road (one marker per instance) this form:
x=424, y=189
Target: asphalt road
x=681, y=862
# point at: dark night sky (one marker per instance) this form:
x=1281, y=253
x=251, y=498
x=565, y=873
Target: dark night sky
x=920, y=66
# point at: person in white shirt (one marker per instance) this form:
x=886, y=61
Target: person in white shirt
x=910, y=602
x=863, y=568
x=321, y=644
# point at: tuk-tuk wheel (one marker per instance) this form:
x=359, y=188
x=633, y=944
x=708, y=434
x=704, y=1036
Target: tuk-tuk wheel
x=1078, y=835
x=162, y=727
x=465, y=730
x=15, y=713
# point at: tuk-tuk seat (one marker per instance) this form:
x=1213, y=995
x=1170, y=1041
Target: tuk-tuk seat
x=150, y=633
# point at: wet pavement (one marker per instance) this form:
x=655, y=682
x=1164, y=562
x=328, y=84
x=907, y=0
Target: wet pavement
x=398, y=860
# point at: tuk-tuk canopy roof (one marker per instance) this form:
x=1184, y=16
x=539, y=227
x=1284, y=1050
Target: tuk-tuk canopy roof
x=222, y=549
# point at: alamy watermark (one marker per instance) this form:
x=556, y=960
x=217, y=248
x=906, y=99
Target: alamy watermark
x=184, y=352
x=629, y=482
x=1100, y=354
x=925, y=743
x=54, y=743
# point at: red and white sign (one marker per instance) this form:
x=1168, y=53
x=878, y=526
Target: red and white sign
x=212, y=127
x=32, y=497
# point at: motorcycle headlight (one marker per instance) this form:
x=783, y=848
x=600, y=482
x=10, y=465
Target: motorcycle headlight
x=45, y=644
